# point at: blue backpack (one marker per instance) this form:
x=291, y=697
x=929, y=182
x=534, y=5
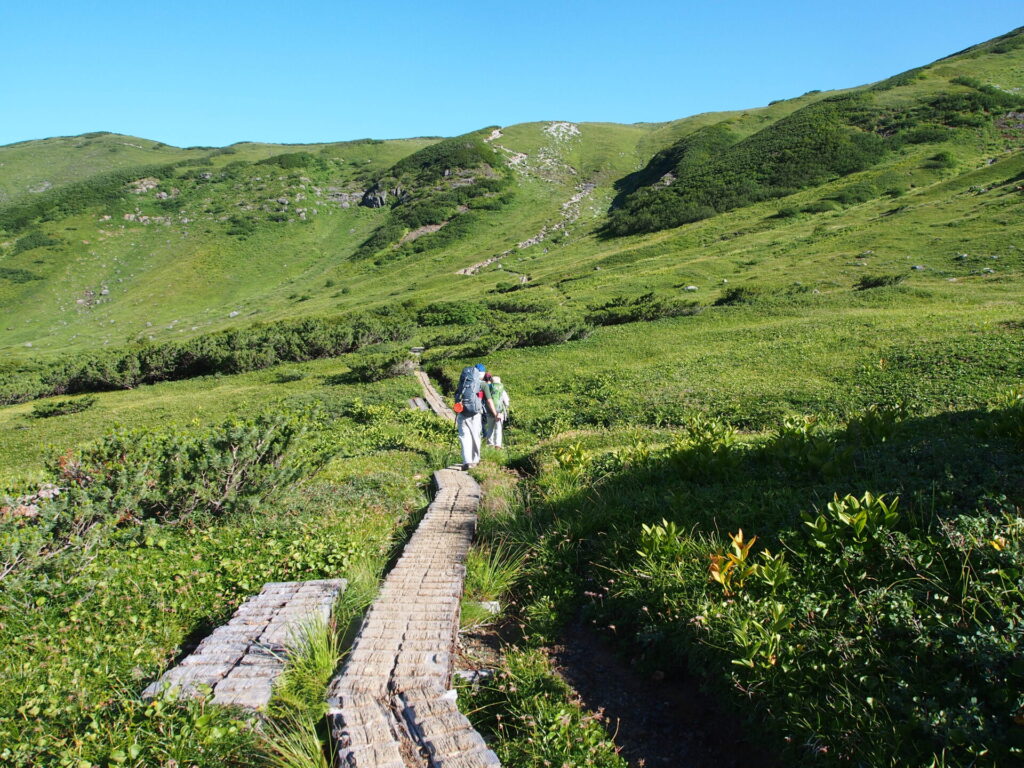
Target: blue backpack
x=468, y=391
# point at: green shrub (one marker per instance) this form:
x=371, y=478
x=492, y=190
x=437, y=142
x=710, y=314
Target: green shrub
x=293, y=160
x=640, y=309
x=34, y=239
x=16, y=275
x=176, y=473
x=74, y=198
x=62, y=407
x=382, y=365
x=867, y=282
x=810, y=146
x=925, y=134
x=430, y=163
x=429, y=187
x=856, y=193
x=819, y=206
x=234, y=351
x=516, y=306
x=745, y=294
x=532, y=721
x=941, y=160
x=451, y=313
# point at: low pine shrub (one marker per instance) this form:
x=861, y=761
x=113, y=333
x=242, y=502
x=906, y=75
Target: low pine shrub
x=235, y=351
x=34, y=239
x=382, y=365
x=640, y=309
x=16, y=275
x=814, y=144
x=744, y=294
x=451, y=313
x=819, y=206
x=173, y=474
x=941, y=160
x=867, y=282
x=62, y=407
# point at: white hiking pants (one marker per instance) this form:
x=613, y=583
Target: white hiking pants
x=469, y=426
x=494, y=431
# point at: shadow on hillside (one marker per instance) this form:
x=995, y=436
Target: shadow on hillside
x=940, y=466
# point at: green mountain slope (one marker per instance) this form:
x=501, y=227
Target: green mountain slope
x=201, y=240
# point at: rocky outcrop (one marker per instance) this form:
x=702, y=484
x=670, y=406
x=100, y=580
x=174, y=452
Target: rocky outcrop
x=377, y=196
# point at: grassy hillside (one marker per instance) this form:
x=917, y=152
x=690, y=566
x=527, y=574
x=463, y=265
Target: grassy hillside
x=729, y=320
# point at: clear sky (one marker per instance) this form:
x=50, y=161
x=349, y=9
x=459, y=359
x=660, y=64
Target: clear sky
x=221, y=71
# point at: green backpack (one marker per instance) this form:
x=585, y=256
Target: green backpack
x=497, y=390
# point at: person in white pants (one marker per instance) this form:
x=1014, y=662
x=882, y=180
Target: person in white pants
x=469, y=426
x=469, y=422
x=496, y=410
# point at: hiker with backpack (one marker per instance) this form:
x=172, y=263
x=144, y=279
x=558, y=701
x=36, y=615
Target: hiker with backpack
x=469, y=409
x=497, y=403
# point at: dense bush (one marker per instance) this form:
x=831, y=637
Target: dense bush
x=293, y=160
x=924, y=134
x=34, y=239
x=855, y=630
x=856, y=193
x=234, y=351
x=970, y=108
x=746, y=294
x=70, y=199
x=451, y=313
x=819, y=206
x=941, y=160
x=175, y=473
x=16, y=275
x=62, y=407
x=436, y=185
x=866, y=282
x=429, y=164
x=377, y=366
x=129, y=476
x=810, y=146
x=643, y=308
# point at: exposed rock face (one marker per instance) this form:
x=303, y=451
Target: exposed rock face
x=141, y=186
x=376, y=197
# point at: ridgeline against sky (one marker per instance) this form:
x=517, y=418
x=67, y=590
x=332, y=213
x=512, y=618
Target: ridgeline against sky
x=193, y=73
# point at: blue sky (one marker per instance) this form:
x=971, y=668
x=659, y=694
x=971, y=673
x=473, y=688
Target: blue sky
x=220, y=71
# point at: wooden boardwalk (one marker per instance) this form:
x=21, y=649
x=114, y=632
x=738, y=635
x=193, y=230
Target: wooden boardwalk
x=241, y=661
x=392, y=705
x=434, y=400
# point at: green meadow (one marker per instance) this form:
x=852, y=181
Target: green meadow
x=766, y=370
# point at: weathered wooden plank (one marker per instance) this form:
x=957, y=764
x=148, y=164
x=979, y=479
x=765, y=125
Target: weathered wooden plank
x=400, y=664
x=433, y=399
x=241, y=660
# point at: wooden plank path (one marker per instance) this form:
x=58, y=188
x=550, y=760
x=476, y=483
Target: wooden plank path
x=241, y=661
x=434, y=400
x=392, y=705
